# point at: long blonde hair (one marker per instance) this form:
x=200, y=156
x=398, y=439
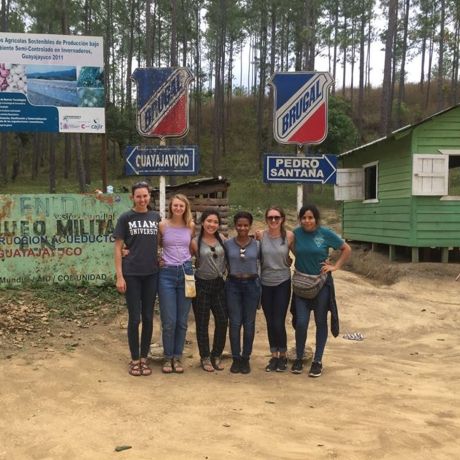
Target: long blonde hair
x=187, y=216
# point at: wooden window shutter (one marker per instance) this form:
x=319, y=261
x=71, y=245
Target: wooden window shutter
x=349, y=184
x=430, y=174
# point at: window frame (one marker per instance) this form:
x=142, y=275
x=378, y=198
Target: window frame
x=364, y=167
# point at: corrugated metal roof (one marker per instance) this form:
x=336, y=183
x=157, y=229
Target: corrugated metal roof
x=399, y=131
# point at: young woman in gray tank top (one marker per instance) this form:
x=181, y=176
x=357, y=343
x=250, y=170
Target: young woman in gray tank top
x=276, y=242
x=211, y=265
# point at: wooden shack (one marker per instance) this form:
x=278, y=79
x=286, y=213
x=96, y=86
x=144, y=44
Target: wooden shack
x=202, y=194
x=403, y=190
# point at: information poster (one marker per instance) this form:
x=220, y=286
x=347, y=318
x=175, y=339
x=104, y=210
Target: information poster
x=58, y=238
x=51, y=83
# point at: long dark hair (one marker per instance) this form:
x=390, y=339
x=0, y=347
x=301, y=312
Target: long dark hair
x=283, y=220
x=204, y=215
x=314, y=210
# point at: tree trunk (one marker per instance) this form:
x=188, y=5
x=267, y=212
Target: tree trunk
x=35, y=155
x=129, y=106
x=173, y=48
x=362, y=58
x=87, y=157
x=79, y=163
x=272, y=71
x=67, y=155
x=386, y=103
x=455, y=60
x=440, y=95
x=52, y=163
x=262, y=82
x=336, y=44
x=4, y=156
x=198, y=80
x=344, y=51
x=402, y=72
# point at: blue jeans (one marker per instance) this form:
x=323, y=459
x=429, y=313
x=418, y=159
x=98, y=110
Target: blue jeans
x=320, y=307
x=174, y=308
x=242, y=301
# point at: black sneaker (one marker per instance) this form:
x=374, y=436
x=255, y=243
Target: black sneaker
x=315, y=369
x=272, y=365
x=297, y=367
x=245, y=368
x=282, y=364
x=236, y=366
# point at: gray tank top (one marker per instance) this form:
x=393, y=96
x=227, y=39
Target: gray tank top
x=275, y=268
x=211, y=261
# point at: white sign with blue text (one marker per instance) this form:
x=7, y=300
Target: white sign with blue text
x=162, y=161
x=315, y=169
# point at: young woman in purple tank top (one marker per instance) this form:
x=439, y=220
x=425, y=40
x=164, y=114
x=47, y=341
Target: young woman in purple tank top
x=176, y=235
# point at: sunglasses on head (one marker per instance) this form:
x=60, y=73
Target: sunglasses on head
x=141, y=184
x=275, y=218
x=213, y=250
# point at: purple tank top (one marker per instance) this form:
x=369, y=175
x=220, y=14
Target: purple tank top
x=176, y=245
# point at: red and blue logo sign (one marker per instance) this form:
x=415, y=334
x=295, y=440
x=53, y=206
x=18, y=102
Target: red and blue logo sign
x=162, y=101
x=300, y=110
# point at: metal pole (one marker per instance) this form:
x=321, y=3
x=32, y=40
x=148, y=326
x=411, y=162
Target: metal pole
x=299, y=186
x=104, y=162
x=162, y=187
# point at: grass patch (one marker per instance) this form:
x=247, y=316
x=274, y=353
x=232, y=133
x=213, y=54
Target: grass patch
x=253, y=195
x=68, y=301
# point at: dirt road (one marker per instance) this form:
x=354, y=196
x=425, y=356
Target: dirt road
x=396, y=394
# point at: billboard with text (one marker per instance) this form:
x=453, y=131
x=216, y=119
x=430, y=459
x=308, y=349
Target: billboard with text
x=51, y=83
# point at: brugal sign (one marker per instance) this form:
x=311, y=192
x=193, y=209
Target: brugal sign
x=162, y=101
x=300, y=107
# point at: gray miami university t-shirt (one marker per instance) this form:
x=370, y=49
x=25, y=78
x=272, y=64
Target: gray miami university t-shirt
x=139, y=231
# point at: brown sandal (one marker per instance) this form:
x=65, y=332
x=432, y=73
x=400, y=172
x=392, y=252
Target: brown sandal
x=135, y=368
x=146, y=370
x=167, y=367
x=206, y=365
x=178, y=366
x=217, y=363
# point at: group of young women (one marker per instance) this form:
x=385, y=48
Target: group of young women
x=233, y=277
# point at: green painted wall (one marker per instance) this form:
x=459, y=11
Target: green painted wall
x=400, y=218
x=389, y=219
x=62, y=238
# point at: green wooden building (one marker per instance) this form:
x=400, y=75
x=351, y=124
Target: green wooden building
x=403, y=190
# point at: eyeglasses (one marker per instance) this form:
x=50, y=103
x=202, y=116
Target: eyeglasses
x=275, y=218
x=213, y=250
x=242, y=253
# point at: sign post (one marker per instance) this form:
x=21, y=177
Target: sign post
x=300, y=111
x=162, y=109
